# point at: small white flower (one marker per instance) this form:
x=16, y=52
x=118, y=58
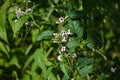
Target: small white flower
x=61, y=19
x=113, y=69
x=55, y=34
x=27, y=10
x=63, y=48
x=55, y=41
x=27, y=23
x=60, y=58
x=74, y=55
x=19, y=13
x=16, y=20
x=69, y=32
x=56, y=22
x=64, y=39
x=72, y=79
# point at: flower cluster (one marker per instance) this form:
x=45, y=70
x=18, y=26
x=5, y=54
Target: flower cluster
x=62, y=37
x=20, y=13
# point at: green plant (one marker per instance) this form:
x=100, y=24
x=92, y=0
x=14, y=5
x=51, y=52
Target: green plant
x=57, y=40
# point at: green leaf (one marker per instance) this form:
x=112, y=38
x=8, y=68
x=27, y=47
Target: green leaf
x=34, y=33
x=47, y=63
x=102, y=76
x=14, y=61
x=75, y=15
x=44, y=35
x=76, y=28
x=14, y=73
x=64, y=69
x=16, y=26
x=51, y=76
x=2, y=61
x=26, y=77
x=33, y=68
x=3, y=9
x=85, y=61
x=72, y=44
x=90, y=41
x=65, y=78
x=47, y=72
x=4, y=49
x=39, y=59
x=20, y=23
x=86, y=70
x=35, y=76
x=29, y=60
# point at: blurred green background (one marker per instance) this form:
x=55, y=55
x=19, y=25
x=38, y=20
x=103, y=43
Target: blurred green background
x=101, y=17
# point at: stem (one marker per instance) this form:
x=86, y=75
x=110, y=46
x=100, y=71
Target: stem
x=26, y=4
x=49, y=14
x=28, y=49
x=69, y=63
x=49, y=51
x=88, y=78
x=26, y=33
x=27, y=29
x=101, y=54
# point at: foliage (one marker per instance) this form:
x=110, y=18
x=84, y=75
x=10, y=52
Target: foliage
x=59, y=40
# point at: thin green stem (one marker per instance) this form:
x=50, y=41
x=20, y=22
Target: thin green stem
x=49, y=14
x=88, y=78
x=69, y=63
x=26, y=3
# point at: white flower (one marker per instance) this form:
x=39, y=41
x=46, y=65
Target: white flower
x=55, y=34
x=61, y=19
x=113, y=69
x=64, y=39
x=55, y=41
x=60, y=58
x=19, y=13
x=72, y=79
x=27, y=23
x=63, y=48
x=56, y=22
x=27, y=10
x=16, y=20
x=69, y=32
x=74, y=55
